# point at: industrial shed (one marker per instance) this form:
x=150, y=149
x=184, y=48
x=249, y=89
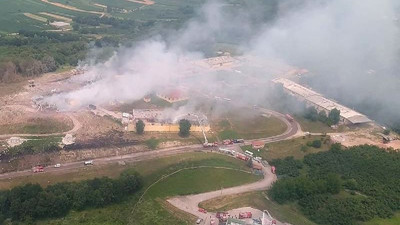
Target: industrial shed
x=312, y=98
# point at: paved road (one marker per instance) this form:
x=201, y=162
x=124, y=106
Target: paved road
x=292, y=130
x=190, y=203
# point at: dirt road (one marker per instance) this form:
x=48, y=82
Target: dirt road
x=190, y=203
x=76, y=126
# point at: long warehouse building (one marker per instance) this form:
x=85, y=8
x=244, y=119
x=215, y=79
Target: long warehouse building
x=312, y=98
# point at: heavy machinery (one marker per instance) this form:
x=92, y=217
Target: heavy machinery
x=206, y=144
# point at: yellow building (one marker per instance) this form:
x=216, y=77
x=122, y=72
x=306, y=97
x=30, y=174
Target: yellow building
x=159, y=127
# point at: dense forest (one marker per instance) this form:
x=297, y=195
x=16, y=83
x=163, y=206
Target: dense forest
x=342, y=186
x=31, y=202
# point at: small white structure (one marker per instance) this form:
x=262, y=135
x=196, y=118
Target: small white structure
x=15, y=141
x=68, y=140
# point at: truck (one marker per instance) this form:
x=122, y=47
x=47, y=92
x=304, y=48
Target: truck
x=242, y=157
x=202, y=210
x=222, y=216
x=38, y=169
x=245, y=215
x=238, y=141
x=227, y=142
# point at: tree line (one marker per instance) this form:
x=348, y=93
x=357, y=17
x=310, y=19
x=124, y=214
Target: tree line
x=342, y=186
x=32, y=202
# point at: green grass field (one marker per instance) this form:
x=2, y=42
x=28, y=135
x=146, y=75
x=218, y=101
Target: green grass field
x=292, y=147
x=395, y=220
x=153, y=210
x=313, y=127
x=37, y=126
x=252, y=126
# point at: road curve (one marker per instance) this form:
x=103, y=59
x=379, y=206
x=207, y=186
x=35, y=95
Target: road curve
x=190, y=203
x=76, y=126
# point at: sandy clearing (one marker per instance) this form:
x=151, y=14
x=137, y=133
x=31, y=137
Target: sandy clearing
x=56, y=16
x=35, y=17
x=72, y=8
x=145, y=2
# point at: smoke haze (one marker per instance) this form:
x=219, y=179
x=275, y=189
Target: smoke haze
x=350, y=47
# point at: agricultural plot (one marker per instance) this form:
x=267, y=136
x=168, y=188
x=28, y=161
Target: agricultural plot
x=12, y=18
x=79, y=4
x=36, y=17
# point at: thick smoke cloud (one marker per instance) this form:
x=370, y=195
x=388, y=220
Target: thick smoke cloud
x=351, y=47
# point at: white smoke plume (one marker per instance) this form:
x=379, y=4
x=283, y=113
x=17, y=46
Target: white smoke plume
x=339, y=41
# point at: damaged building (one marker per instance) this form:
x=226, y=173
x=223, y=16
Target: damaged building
x=312, y=98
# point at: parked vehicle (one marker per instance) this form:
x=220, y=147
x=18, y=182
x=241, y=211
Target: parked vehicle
x=58, y=165
x=202, y=210
x=87, y=163
x=38, y=169
x=227, y=142
x=242, y=157
x=209, y=145
x=238, y=140
x=245, y=215
x=199, y=220
x=249, y=153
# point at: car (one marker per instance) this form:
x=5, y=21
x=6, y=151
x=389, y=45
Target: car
x=58, y=165
x=202, y=210
x=199, y=220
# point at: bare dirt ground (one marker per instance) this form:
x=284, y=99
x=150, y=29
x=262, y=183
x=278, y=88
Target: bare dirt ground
x=19, y=119
x=368, y=134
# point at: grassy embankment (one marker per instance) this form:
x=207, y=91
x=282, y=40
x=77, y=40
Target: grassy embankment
x=294, y=147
